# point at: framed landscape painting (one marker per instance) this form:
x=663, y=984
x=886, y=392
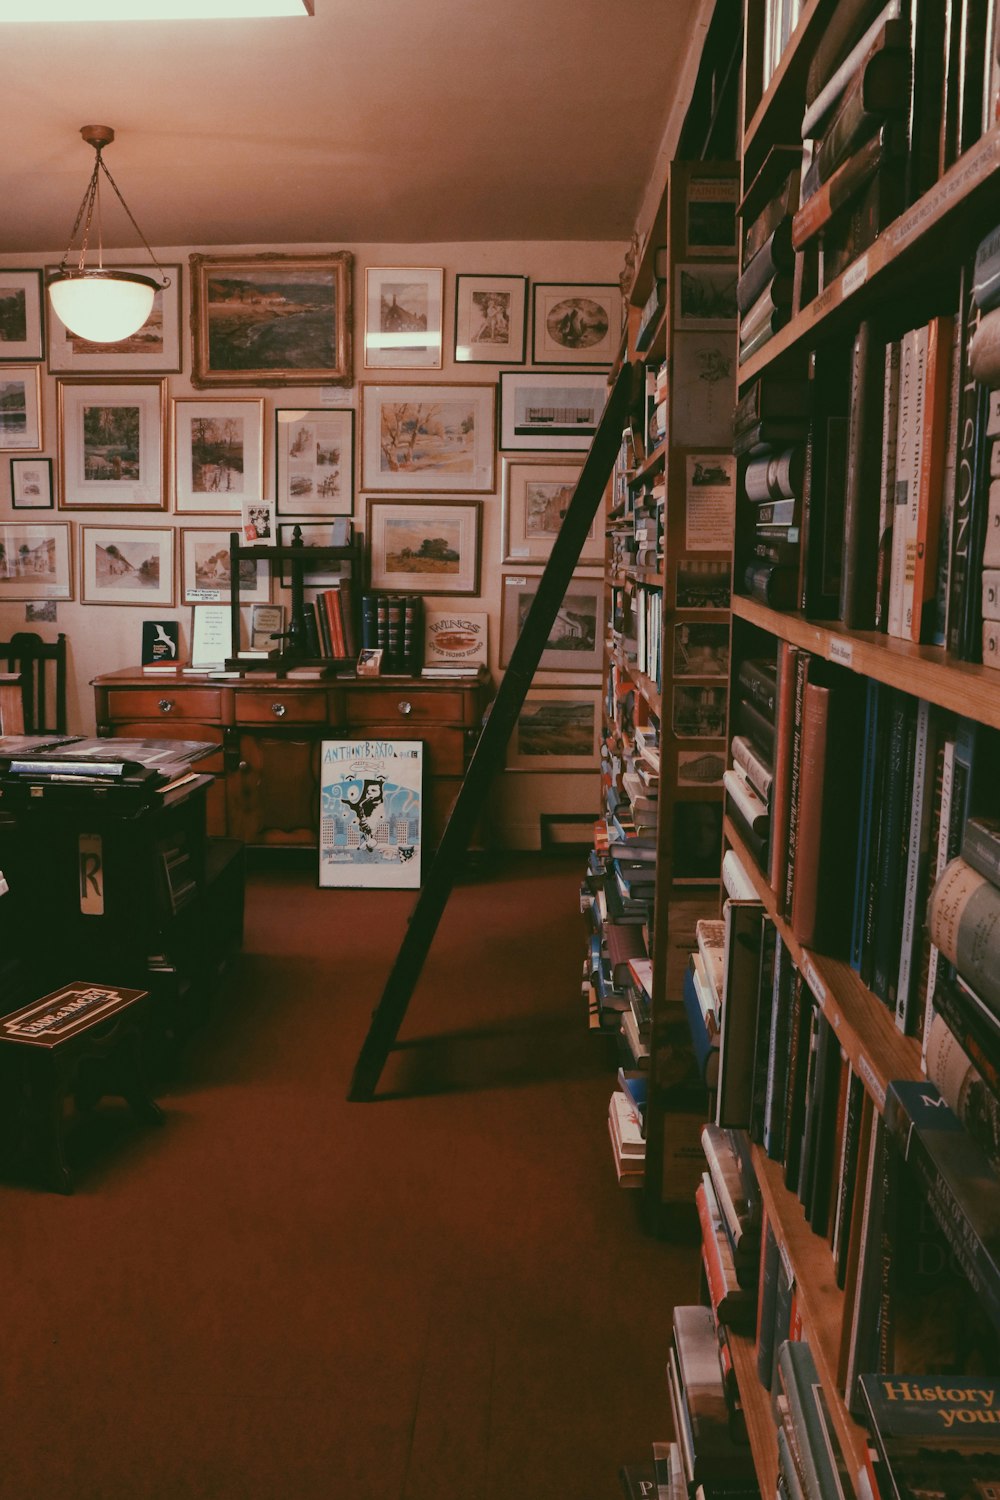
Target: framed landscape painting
x=428, y=437
x=430, y=548
x=218, y=454
x=403, y=317
x=536, y=493
x=35, y=560
x=22, y=317
x=576, y=324
x=491, y=314
x=549, y=411
x=20, y=409
x=112, y=453
x=558, y=729
x=314, y=459
x=205, y=571
x=271, y=319
x=154, y=349
x=127, y=565
x=574, y=643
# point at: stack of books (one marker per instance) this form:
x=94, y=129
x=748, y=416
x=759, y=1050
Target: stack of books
x=708, y=1418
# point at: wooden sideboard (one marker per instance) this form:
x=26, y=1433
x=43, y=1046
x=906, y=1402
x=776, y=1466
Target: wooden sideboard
x=268, y=730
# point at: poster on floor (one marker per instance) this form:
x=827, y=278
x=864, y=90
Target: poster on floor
x=371, y=795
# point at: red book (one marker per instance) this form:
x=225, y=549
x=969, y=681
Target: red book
x=932, y=464
x=331, y=604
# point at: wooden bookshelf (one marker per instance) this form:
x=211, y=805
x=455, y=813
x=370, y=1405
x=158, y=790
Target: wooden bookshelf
x=777, y=114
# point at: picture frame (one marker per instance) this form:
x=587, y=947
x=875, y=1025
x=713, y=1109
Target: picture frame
x=404, y=308
x=36, y=560
x=491, y=319
x=424, y=547
x=266, y=621
x=314, y=534
x=31, y=484
x=127, y=565
x=205, y=576
x=550, y=411
x=242, y=329
x=701, y=648
x=371, y=813
x=154, y=349
x=20, y=409
x=710, y=216
x=534, y=494
x=705, y=295
x=558, y=729
x=418, y=438
x=314, y=461
x=218, y=448
x=576, y=323
x=575, y=643
x=22, y=315
x=112, y=447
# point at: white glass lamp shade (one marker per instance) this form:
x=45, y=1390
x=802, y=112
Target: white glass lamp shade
x=102, y=306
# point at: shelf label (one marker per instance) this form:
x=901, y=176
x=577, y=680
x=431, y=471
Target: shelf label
x=965, y=174
x=867, y=1074
x=814, y=982
x=842, y=651
x=856, y=275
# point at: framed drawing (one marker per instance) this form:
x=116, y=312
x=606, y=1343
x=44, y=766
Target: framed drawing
x=558, y=729
x=705, y=295
x=314, y=461
x=574, y=643
x=403, y=317
x=428, y=437
x=35, y=560
x=218, y=454
x=31, y=484
x=205, y=575
x=154, y=349
x=22, y=318
x=20, y=408
x=370, y=813
x=271, y=319
x=552, y=412
x=430, y=548
x=127, y=565
x=535, y=494
x=491, y=316
x=112, y=453
x=315, y=534
x=576, y=324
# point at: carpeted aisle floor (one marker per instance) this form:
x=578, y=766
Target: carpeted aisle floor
x=442, y=1295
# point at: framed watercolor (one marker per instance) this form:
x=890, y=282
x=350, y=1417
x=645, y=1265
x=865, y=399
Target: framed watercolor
x=20, y=408
x=576, y=323
x=112, y=450
x=218, y=454
x=271, y=319
x=535, y=493
x=404, y=308
x=31, y=484
x=574, y=643
x=549, y=412
x=558, y=729
x=36, y=560
x=127, y=565
x=491, y=317
x=428, y=437
x=705, y=295
x=22, y=315
x=154, y=349
x=315, y=534
x=205, y=575
x=370, y=793
x=710, y=216
x=314, y=461
x=427, y=547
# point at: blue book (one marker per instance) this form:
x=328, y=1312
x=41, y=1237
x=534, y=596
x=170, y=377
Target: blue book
x=706, y=1049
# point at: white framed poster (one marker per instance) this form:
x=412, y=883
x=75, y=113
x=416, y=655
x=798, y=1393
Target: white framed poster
x=371, y=795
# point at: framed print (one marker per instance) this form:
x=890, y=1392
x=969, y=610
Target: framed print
x=205, y=576
x=127, y=565
x=701, y=649
x=266, y=622
x=702, y=584
x=424, y=548
x=491, y=316
x=35, y=560
x=315, y=534
x=551, y=412
x=20, y=408
x=31, y=484
x=218, y=454
x=558, y=729
x=154, y=349
x=370, y=795
x=576, y=324
x=705, y=295
x=314, y=461
x=699, y=713
x=535, y=494
x=403, y=317
x=22, y=319
x=112, y=452
x=710, y=216
x=271, y=319
x=574, y=643
x=428, y=437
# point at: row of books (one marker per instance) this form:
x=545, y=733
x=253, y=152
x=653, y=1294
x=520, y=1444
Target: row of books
x=393, y=624
x=635, y=625
x=770, y=427
x=329, y=620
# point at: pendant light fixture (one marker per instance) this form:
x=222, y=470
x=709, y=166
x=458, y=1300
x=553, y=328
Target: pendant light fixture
x=99, y=303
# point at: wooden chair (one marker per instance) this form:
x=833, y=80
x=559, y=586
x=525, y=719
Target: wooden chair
x=11, y=703
x=41, y=667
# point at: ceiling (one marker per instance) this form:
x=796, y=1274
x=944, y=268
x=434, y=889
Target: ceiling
x=372, y=121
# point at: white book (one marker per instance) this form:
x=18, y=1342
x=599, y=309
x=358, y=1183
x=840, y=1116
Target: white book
x=625, y=1124
x=753, y=808
x=735, y=880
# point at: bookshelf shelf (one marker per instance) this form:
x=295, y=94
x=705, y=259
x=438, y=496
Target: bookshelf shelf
x=756, y=1411
x=778, y=113
x=650, y=464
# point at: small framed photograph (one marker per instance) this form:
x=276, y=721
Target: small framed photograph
x=404, y=308
x=112, y=452
x=536, y=493
x=20, y=408
x=22, y=315
x=491, y=317
x=205, y=576
x=369, y=663
x=218, y=454
x=558, y=729
x=574, y=643
x=257, y=522
x=705, y=295
x=314, y=460
x=31, y=484
x=701, y=649
x=428, y=437
x=315, y=534
x=154, y=349
x=711, y=216
x=35, y=560
x=266, y=622
x=576, y=324
x=424, y=548
x=127, y=565
x=549, y=411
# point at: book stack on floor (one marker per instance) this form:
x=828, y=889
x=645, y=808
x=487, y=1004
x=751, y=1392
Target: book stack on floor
x=627, y=1129
x=932, y=1437
x=707, y=1416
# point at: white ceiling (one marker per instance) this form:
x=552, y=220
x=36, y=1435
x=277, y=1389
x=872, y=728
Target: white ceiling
x=375, y=120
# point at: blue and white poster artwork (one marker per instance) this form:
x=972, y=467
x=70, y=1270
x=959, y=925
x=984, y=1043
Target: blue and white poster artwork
x=370, y=813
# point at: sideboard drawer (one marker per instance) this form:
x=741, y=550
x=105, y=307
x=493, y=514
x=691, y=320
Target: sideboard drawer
x=273, y=706
x=405, y=704
x=166, y=702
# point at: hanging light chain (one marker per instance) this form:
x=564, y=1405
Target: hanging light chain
x=91, y=197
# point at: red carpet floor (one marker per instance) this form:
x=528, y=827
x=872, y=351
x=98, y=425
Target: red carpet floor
x=441, y=1295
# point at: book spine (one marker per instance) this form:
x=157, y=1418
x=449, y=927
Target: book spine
x=841, y=187
x=805, y=895
x=969, y=460
x=887, y=482
x=934, y=416
x=864, y=454
x=963, y=916
x=821, y=104
x=981, y=847
x=917, y=850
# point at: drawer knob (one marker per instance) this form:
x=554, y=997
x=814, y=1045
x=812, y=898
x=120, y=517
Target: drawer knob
x=165, y=705
x=279, y=710
x=404, y=707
